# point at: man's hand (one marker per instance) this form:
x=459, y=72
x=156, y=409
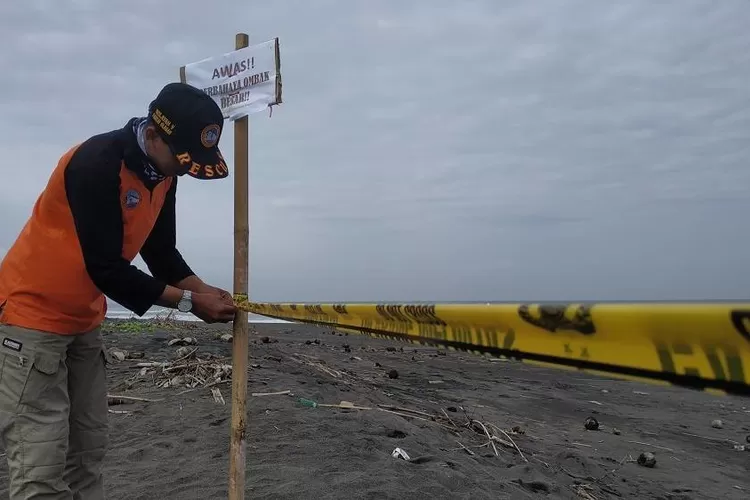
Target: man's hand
x=225, y=296
x=196, y=285
x=213, y=308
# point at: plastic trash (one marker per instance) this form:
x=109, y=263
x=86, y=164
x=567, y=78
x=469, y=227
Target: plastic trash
x=308, y=402
x=399, y=453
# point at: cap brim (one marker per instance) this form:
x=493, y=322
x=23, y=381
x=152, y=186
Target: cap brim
x=207, y=164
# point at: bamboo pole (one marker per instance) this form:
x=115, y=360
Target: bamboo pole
x=240, y=328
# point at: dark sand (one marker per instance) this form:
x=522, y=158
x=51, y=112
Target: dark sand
x=178, y=448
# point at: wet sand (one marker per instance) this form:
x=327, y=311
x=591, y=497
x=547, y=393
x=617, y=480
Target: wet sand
x=178, y=447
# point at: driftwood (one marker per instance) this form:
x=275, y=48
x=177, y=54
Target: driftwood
x=280, y=393
x=187, y=371
x=123, y=400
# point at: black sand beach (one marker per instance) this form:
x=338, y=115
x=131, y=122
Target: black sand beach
x=439, y=404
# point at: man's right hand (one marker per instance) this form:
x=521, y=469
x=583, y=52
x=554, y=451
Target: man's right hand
x=212, y=308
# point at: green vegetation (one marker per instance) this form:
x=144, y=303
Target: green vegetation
x=135, y=325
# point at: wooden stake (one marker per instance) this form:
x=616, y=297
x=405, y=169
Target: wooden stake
x=240, y=328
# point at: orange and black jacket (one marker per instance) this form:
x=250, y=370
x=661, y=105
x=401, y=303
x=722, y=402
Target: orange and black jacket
x=103, y=205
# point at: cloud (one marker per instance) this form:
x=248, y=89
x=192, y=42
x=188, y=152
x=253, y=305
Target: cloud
x=427, y=150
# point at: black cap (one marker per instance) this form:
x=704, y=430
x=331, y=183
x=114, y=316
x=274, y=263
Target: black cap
x=191, y=123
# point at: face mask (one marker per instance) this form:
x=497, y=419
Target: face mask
x=139, y=129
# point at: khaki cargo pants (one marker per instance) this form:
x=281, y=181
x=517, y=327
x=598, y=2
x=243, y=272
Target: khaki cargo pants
x=53, y=413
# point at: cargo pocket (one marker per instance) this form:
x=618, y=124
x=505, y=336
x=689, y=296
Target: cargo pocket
x=44, y=383
x=14, y=372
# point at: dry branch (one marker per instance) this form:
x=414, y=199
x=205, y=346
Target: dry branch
x=465, y=448
x=317, y=364
x=511, y=442
x=280, y=393
x=489, y=436
x=121, y=400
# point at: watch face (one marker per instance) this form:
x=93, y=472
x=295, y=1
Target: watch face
x=183, y=306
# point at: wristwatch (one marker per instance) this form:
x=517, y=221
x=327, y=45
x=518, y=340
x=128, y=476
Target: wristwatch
x=186, y=302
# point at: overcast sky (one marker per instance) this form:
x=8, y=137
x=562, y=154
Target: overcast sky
x=426, y=150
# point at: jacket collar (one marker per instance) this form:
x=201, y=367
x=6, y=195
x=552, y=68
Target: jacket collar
x=135, y=159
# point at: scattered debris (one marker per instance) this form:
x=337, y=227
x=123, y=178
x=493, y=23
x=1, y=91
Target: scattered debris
x=183, y=341
x=346, y=405
x=227, y=337
x=405, y=410
x=626, y=458
x=465, y=448
x=393, y=374
x=664, y=448
x=217, y=395
x=489, y=436
x=399, y=453
x=308, y=402
x=121, y=412
x=717, y=424
x=316, y=363
x=189, y=371
x=123, y=400
x=118, y=354
x=512, y=443
x=280, y=393
x=591, y=424
x=707, y=438
x=582, y=490
x=616, y=431
x=447, y=422
x=575, y=443
x=740, y=447
x=184, y=352
x=647, y=459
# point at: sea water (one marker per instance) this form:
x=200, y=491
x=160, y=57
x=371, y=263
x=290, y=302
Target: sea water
x=114, y=312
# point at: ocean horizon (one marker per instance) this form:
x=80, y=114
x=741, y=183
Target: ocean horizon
x=159, y=312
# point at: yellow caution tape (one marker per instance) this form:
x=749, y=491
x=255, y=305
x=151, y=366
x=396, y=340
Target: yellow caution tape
x=702, y=346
